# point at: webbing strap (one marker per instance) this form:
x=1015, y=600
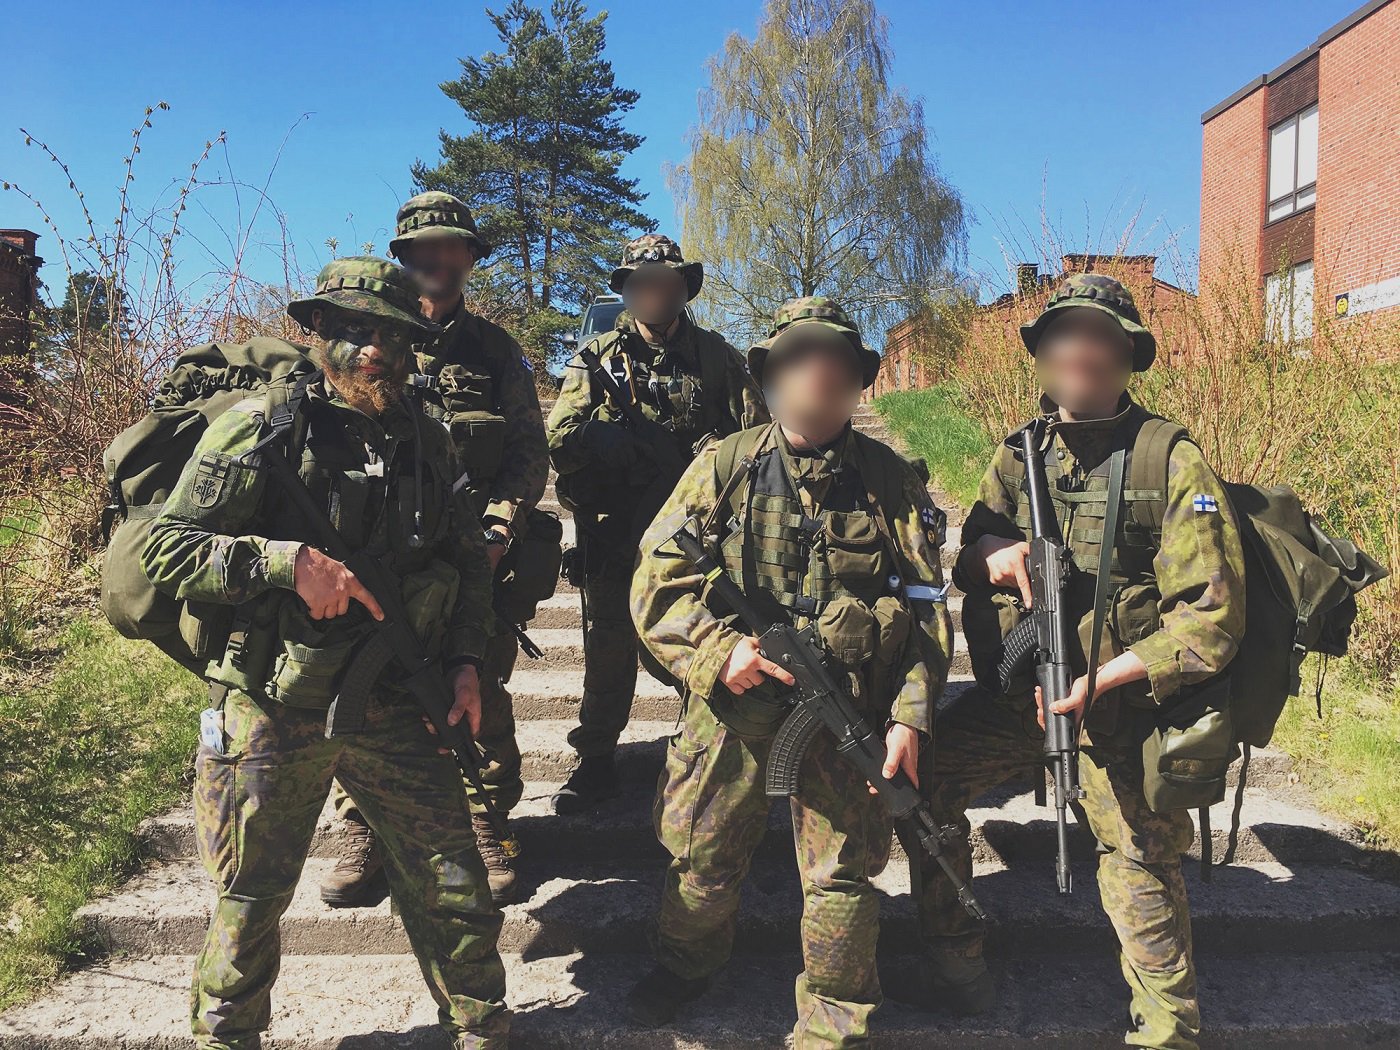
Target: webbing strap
x=1234, y=840
x=1110, y=529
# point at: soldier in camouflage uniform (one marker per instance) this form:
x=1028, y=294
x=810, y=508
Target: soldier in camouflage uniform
x=818, y=523
x=229, y=536
x=692, y=382
x=1087, y=343
x=485, y=394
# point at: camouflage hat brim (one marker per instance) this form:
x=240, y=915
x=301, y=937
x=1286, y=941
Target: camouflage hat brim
x=361, y=302
x=693, y=272
x=480, y=247
x=814, y=328
x=1144, y=342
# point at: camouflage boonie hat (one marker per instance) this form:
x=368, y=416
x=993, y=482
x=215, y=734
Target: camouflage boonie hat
x=367, y=285
x=655, y=250
x=435, y=214
x=1098, y=292
x=812, y=316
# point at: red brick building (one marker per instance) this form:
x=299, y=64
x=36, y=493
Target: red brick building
x=906, y=364
x=1300, y=177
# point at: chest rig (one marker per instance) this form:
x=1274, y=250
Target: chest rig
x=460, y=370
x=794, y=561
x=681, y=395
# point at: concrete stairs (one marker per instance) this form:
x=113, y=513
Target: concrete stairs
x=1298, y=942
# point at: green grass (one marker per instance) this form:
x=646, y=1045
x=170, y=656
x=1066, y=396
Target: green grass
x=1350, y=757
x=931, y=425
x=84, y=758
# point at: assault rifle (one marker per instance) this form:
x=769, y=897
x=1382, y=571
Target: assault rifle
x=819, y=701
x=1046, y=636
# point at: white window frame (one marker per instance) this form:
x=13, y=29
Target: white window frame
x=1296, y=197
x=1289, y=304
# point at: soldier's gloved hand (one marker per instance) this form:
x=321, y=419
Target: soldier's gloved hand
x=609, y=443
x=1006, y=564
x=747, y=667
x=901, y=752
x=327, y=586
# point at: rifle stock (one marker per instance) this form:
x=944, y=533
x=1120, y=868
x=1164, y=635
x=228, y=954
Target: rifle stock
x=819, y=701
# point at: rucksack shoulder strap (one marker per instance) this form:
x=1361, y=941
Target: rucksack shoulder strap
x=735, y=460
x=1146, y=491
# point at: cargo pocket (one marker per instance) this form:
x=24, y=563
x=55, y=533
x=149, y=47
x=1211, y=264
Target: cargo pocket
x=673, y=813
x=217, y=798
x=1186, y=756
x=479, y=438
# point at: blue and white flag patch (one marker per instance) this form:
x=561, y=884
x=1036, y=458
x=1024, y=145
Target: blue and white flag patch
x=1204, y=504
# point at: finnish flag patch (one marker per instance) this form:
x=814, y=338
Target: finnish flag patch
x=1204, y=504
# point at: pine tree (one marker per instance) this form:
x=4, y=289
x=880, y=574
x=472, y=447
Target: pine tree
x=540, y=169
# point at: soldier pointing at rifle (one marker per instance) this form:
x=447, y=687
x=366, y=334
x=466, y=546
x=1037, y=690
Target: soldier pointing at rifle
x=636, y=404
x=1170, y=621
x=378, y=474
x=822, y=527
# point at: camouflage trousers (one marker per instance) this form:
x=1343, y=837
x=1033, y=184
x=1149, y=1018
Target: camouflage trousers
x=982, y=742
x=256, y=808
x=501, y=776
x=609, y=664
x=711, y=814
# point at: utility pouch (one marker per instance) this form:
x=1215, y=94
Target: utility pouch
x=1188, y=752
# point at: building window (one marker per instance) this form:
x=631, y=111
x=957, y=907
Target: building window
x=1288, y=304
x=1293, y=164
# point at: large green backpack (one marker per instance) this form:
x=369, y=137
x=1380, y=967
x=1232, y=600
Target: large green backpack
x=143, y=464
x=1300, y=597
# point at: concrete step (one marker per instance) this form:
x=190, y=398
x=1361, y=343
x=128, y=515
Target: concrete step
x=377, y=1002
x=1008, y=828
x=610, y=907
x=562, y=648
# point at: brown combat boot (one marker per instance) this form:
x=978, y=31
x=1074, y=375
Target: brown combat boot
x=358, y=879
x=500, y=872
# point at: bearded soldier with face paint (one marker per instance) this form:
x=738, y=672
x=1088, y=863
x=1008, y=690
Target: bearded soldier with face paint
x=1173, y=621
x=229, y=534
x=483, y=390
x=817, y=524
x=692, y=383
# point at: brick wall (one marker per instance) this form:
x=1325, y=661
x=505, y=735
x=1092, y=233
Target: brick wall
x=1358, y=177
x=1233, y=171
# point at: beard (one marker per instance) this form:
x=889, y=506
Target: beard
x=358, y=387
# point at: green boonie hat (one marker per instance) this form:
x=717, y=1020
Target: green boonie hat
x=653, y=249
x=367, y=285
x=1098, y=292
x=436, y=214
x=812, y=316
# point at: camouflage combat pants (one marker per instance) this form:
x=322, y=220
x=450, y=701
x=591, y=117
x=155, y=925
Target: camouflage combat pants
x=256, y=808
x=711, y=814
x=609, y=663
x=501, y=776
x=983, y=742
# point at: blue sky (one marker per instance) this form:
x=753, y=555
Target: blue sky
x=1087, y=113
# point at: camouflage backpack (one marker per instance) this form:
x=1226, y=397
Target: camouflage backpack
x=143, y=464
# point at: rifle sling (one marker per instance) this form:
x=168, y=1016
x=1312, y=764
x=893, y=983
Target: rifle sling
x=1110, y=535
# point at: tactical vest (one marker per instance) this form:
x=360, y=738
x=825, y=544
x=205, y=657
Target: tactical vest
x=690, y=399
x=466, y=375
x=275, y=649
x=837, y=569
x=1081, y=501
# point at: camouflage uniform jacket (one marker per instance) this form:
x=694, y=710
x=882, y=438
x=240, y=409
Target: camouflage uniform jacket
x=675, y=399
x=1187, y=625
x=481, y=370
x=224, y=537
x=693, y=641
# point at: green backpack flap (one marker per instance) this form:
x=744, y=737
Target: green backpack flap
x=143, y=464
x=1300, y=597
